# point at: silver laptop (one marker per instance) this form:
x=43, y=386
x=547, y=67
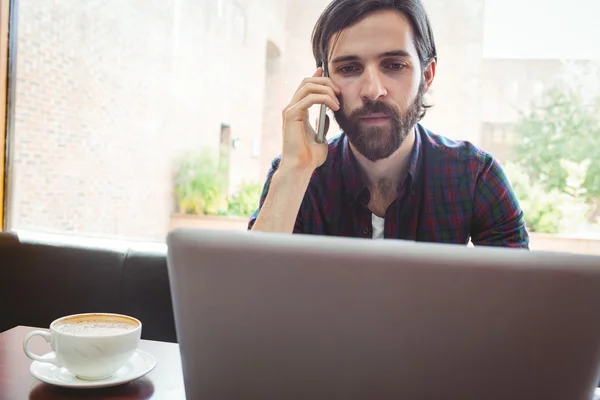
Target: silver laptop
x=269, y=316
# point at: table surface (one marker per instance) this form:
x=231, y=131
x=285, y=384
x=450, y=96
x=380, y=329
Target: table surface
x=164, y=382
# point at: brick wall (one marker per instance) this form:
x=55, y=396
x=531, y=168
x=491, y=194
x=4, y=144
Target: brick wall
x=110, y=92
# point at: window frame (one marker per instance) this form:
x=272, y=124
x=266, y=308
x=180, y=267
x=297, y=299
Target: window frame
x=8, y=40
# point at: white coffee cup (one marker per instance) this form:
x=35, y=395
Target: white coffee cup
x=92, y=346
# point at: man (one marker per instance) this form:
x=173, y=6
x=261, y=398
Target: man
x=385, y=176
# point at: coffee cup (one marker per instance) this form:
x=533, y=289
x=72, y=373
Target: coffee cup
x=92, y=346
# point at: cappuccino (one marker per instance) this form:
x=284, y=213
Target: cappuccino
x=103, y=326
x=91, y=346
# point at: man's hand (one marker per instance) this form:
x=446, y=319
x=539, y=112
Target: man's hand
x=300, y=156
x=301, y=152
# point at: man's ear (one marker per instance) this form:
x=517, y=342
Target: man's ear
x=429, y=74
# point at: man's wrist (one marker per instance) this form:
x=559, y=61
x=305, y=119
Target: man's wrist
x=292, y=173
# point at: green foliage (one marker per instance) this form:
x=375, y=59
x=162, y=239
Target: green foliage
x=557, y=173
x=550, y=211
x=245, y=200
x=562, y=130
x=198, y=187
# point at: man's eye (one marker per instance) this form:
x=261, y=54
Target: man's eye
x=348, y=69
x=396, y=66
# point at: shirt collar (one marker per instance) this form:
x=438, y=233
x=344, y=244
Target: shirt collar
x=354, y=185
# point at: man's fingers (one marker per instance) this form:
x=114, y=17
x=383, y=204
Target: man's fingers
x=314, y=90
x=320, y=80
x=311, y=88
x=298, y=111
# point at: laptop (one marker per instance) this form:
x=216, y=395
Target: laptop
x=271, y=316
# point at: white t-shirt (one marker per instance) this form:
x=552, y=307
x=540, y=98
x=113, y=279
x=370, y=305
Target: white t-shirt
x=378, y=226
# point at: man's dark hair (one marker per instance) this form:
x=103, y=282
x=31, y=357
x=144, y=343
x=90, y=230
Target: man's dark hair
x=340, y=14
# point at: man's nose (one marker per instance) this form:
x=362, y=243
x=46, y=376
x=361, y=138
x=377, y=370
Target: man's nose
x=373, y=87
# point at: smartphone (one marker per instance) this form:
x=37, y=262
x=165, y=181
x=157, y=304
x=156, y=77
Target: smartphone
x=323, y=113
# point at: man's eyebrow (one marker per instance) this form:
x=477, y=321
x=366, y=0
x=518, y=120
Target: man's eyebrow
x=395, y=53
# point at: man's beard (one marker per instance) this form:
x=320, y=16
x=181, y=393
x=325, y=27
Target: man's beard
x=379, y=142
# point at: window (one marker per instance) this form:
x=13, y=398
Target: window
x=4, y=26
x=126, y=115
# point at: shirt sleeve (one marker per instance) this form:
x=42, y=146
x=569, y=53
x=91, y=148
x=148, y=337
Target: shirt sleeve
x=497, y=216
x=263, y=196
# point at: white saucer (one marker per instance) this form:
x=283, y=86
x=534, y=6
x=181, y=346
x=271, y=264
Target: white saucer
x=138, y=365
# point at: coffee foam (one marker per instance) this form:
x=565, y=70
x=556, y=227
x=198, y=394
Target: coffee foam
x=96, y=324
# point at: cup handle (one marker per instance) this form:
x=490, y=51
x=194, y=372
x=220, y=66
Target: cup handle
x=48, y=337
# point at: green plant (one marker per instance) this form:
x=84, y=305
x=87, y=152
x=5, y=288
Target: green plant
x=198, y=187
x=562, y=129
x=245, y=201
x=550, y=211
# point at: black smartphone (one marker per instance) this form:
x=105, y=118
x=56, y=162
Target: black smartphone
x=323, y=113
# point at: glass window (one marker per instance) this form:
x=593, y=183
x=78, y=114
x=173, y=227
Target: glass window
x=134, y=117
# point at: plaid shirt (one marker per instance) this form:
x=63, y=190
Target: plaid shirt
x=453, y=193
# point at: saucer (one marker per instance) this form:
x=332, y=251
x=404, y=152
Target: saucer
x=138, y=365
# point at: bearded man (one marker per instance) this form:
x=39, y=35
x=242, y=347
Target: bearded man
x=385, y=176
